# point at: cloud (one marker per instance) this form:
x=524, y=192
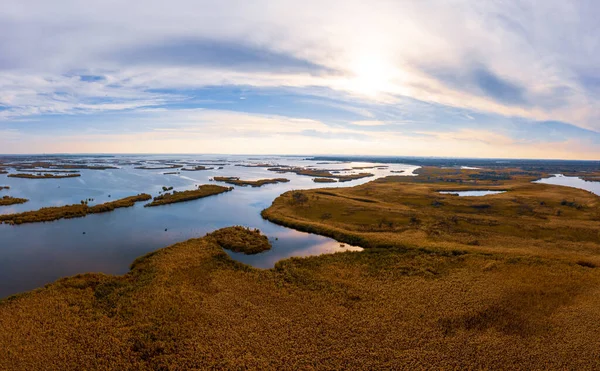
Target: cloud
x=434, y=66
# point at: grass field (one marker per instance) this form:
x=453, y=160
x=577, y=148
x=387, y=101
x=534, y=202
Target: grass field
x=446, y=282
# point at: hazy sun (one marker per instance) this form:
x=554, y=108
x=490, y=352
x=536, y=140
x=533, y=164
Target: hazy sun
x=372, y=76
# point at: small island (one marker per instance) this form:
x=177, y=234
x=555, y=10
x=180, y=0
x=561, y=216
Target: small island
x=241, y=239
x=8, y=200
x=47, y=214
x=324, y=180
x=254, y=183
x=321, y=173
x=197, y=168
x=146, y=167
x=204, y=190
x=44, y=176
x=4, y=187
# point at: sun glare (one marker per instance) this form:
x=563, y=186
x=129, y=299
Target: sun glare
x=372, y=76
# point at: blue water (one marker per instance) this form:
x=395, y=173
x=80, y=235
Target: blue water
x=575, y=182
x=32, y=255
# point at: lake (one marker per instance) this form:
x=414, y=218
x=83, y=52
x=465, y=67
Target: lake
x=32, y=255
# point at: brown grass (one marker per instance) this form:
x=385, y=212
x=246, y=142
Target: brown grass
x=194, y=194
x=44, y=176
x=324, y=180
x=241, y=239
x=48, y=214
x=8, y=200
x=189, y=306
x=254, y=183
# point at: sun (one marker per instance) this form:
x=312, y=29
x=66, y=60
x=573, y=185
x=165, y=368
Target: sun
x=371, y=76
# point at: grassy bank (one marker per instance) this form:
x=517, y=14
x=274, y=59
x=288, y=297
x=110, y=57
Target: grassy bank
x=48, y=214
x=189, y=306
x=202, y=191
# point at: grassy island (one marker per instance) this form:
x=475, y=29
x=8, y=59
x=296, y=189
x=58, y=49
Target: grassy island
x=324, y=180
x=145, y=167
x=8, y=200
x=197, y=168
x=253, y=183
x=44, y=176
x=321, y=173
x=204, y=190
x=4, y=187
x=241, y=239
x=48, y=214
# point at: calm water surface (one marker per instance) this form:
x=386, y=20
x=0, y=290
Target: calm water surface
x=471, y=193
x=575, y=182
x=32, y=255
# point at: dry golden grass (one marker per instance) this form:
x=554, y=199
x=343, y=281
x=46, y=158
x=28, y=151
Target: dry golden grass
x=189, y=306
x=254, y=183
x=324, y=180
x=8, y=200
x=47, y=214
x=529, y=218
x=241, y=239
x=204, y=190
x=43, y=176
x=447, y=283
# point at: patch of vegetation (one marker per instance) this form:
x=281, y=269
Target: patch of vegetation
x=197, y=168
x=321, y=173
x=241, y=239
x=324, y=180
x=254, y=183
x=165, y=188
x=44, y=176
x=190, y=306
x=4, y=187
x=80, y=210
x=8, y=200
x=201, y=192
x=146, y=167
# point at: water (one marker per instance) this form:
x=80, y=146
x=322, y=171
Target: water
x=32, y=255
x=570, y=181
x=471, y=193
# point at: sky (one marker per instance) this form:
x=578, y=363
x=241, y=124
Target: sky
x=453, y=78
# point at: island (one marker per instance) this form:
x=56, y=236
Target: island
x=47, y=214
x=202, y=191
x=44, y=176
x=324, y=180
x=197, y=168
x=254, y=183
x=241, y=240
x=8, y=200
x=321, y=173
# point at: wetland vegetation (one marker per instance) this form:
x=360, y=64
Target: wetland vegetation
x=202, y=191
x=8, y=200
x=506, y=280
x=44, y=176
x=190, y=305
x=321, y=173
x=241, y=239
x=254, y=183
x=47, y=214
x=324, y=180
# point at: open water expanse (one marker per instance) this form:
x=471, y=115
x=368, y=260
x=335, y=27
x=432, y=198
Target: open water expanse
x=32, y=255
